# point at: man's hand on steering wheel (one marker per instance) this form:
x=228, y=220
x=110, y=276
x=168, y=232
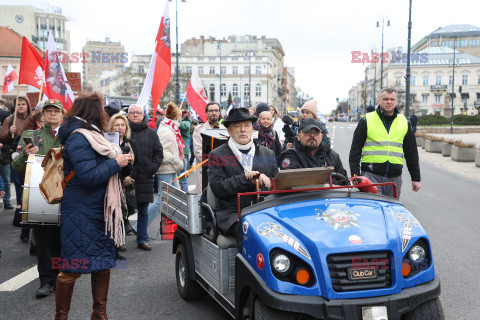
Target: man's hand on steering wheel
x=340, y=179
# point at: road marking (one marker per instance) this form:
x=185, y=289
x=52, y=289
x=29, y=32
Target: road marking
x=20, y=280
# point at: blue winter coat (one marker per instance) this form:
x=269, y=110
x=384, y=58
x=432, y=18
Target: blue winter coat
x=85, y=247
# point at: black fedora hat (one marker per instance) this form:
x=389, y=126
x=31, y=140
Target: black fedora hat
x=238, y=115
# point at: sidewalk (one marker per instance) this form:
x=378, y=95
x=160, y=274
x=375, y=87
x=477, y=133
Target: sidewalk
x=466, y=169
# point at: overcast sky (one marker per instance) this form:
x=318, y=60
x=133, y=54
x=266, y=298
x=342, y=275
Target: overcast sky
x=317, y=36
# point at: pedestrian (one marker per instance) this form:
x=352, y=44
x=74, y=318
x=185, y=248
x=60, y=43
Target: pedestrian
x=414, y=122
x=380, y=142
x=113, y=107
x=267, y=136
x=212, y=110
x=119, y=123
x=42, y=128
x=10, y=134
x=278, y=124
x=247, y=163
x=184, y=127
x=91, y=218
x=146, y=165
x=173, y=157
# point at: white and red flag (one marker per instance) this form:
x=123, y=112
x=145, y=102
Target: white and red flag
x=10, y=78
x=56, y=83
x=197, y=98
x=159, y=72
x=31, y=66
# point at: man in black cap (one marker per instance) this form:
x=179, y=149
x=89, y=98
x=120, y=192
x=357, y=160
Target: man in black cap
x=235, y=166
x=309, y=151
x=113, y=107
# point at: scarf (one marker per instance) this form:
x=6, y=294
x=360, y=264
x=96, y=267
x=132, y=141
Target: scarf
x=245, y=160
x=171, y=124
x=112, y=206
x=266, y=136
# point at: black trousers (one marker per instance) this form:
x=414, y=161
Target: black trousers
x=48, y=246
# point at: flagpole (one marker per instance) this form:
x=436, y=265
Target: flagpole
x=41, y=88
x=15, y=113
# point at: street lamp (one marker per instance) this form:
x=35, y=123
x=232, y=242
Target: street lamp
x=177, y=68
x=453, y=84
x=219, y=47
x=407, y=73
x=381, y=57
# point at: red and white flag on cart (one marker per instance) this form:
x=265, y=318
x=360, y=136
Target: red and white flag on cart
x=56, y=86
x=159, y=72
x=31, y=66
x=10, y=77
x=197, y=98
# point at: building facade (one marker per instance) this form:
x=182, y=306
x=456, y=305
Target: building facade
x=102, y=56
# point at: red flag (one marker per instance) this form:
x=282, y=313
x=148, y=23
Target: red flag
x=10, y=77
x=57, y=86
x=31, y=66
x=197, y=98
x=159, y=72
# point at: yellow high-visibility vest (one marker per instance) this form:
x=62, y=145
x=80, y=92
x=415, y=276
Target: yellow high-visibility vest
x=382, y=146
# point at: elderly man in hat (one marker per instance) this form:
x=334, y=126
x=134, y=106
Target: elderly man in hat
x=235, y=166
x=309, y=151
x=47, y=236
x=309, y=111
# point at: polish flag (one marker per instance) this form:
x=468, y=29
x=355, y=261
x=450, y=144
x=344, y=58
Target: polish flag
x=159, y=72
x=10, y=77
x=56, y=86
x=197, y=98
x=31, y=66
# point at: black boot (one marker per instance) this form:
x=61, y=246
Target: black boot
x=25, y=234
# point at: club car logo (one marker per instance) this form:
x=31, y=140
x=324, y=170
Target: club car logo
x=339, y=218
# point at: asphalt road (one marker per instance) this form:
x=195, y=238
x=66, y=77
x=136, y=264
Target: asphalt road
x=145, y=288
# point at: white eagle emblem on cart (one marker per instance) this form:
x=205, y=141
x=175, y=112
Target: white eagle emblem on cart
x=339, y=218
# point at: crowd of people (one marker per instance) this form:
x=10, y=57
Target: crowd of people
x=108, y=182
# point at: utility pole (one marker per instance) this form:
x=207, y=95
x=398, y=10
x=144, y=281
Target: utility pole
x=407, y=78
x=453, y=84
x=220, y=48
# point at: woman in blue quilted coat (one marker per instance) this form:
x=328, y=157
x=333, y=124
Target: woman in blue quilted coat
x=87, y=245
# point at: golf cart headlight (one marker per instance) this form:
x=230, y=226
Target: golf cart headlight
x=417, y=253
x=281, y=263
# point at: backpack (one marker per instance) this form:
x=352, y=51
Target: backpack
x=53, y=180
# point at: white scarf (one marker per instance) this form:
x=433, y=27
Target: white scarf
x=245, y=160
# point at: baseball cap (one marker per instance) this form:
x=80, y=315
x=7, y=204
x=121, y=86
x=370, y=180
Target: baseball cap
x=308, y=124
x=54, y=103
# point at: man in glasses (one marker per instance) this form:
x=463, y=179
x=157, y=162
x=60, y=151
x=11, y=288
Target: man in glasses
x=309, y=151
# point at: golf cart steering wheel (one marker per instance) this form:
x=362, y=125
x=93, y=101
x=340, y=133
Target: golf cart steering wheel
x=340, y=179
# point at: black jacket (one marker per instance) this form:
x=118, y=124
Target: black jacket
x=227, y=178
x=147, y=161
x=386, y=169
x=297, y=157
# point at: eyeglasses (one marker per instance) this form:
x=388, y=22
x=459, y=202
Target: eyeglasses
x=52, y=111
x=136, y=113
x=312, y=133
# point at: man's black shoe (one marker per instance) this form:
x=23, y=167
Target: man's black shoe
x=7, y=206
x=144, y=246
x=33, y=249
x=44, y=291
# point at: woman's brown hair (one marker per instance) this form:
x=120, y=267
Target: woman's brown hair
x=89, y=107
x=172, y=112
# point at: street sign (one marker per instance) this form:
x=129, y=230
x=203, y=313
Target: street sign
x=182, y=96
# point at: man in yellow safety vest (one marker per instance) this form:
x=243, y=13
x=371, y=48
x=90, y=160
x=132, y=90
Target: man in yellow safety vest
x=381, y=141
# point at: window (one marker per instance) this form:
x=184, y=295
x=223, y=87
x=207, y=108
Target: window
x=437, y=98
x=478, y=80
x=223, y=92
x=398, y=80
x=246, y=70
x=258, y=90
x=234, y=58
x=258, y=58
x=412, y=81
x=211, y=59
x=246, y=90
x=212, y=92
x=212, y=70
x=438, y=79
x=425, y=97
x=246, y=59
x=425, y=81
x=465, y=79
x=450, y=80
x=258, y=70
x=235, y=70
x=223, y=70
x=235, y=90
x=200, y=59
x=188, y=70
x=200, y=70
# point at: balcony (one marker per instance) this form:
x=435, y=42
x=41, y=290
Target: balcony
x=441, y=87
